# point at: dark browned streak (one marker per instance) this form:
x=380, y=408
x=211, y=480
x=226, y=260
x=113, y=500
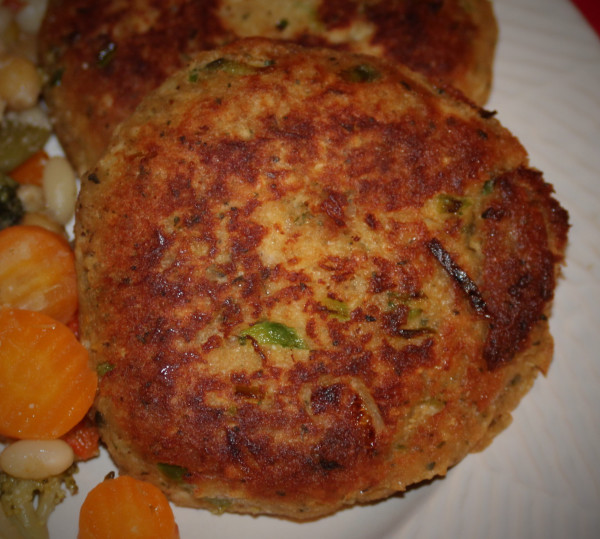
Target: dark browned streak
x=459, y=275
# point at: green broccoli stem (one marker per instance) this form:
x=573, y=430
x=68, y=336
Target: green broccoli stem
x=27, y=504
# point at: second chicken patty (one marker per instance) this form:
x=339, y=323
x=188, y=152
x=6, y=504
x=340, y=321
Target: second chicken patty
x=102, y=58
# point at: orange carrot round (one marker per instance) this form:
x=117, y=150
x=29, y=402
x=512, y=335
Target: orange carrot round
x=46, y=383
x=126, y=508
x=37, y=272
x=31, y=172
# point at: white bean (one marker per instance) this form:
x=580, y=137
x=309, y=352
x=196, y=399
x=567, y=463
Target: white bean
x=34, y=116
x=41, y=219
x=20, y=83
x=60, y=189
x=30, y=16
x=32, y=197
x=36, y=459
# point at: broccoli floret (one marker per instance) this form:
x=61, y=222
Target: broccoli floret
x=27, y=503
x=11, y=209
x=21, y=135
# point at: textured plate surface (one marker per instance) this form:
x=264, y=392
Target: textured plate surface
x=540, y=477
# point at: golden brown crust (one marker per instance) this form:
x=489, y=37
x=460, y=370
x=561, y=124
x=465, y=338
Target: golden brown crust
x=103, y=57
x=395, y=231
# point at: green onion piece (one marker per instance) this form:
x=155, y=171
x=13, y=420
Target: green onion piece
x=220, y=504
x=337, y=309
x=361, y=73
x=267, y=332
x=488, y=187
x=231, y=67
x=104, y=368
x=172, y=471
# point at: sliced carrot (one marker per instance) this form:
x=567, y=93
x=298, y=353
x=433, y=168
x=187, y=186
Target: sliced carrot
x=126, y=508
x=46, y=383
x=37, y=272
x=84, y=439
x=31, y=172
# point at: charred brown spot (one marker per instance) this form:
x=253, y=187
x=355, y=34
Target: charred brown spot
x=214, y=341
x=250, y=392
x=394, y=321
x=485, y=114
x=326, y=398
x=334, y=206
x=93, y=178
x=230, y=313
x=329, y=465
x=409, y=357
x=342, y=268
x=493, y=213
x=371, y=221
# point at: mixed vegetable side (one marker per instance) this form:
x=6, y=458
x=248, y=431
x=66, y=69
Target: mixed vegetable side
x=46, y=383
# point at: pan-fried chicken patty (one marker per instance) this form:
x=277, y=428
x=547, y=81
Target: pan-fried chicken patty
x=103, y=57
x=309, y=279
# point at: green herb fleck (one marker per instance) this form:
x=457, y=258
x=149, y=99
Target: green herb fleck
x=172, y=471
x=361, y=73
x=104, y=368
x=11, y=209
x=231, y=67
x=303, y=218
x=515, y=380
x=106, y=55
x=220, y=504
x=232, y=411
x=395, y=300
x=337, y=309
x=488, y=187
x=414, y=314
x=268, y=332
x=193, y=75
x=56, y=77
x=282, y=24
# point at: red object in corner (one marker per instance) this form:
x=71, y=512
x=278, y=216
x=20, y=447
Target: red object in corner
x=591, y=11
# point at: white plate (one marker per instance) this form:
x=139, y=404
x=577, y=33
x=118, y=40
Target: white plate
x=541, y=477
